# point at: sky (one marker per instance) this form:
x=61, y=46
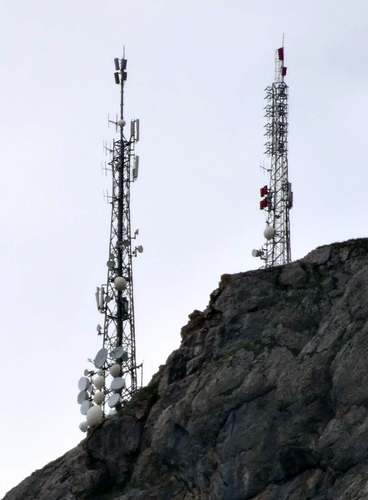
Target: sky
x=196, y=77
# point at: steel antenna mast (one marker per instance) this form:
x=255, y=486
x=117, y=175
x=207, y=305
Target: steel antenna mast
x=277, y=196
x=113, y=379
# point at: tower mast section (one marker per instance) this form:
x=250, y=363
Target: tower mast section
x=277, y=196
x=113, y=379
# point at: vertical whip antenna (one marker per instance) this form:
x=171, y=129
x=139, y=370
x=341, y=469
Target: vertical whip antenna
x=113, y=378
x=277, y=196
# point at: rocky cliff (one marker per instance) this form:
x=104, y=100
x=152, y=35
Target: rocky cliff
x=266, y=399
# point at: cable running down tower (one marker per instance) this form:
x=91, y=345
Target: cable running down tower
x=276, y=197
x=113, y=378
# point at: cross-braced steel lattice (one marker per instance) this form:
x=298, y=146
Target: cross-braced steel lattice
x=117, y=295
x=113, y=378
x=277, y=197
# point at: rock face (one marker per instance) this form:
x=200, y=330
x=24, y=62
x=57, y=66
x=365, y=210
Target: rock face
x=266, y=399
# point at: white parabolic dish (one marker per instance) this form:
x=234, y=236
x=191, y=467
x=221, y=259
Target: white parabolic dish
x=83, y=426
x=120, y=283
x=82, y=396
x=117, y=384
x=119, y=353
x=85, y=406
x=115, y=370
x=94, y=416
x=269, y=232
x=98, y=381
x=98, y=397
x=114, y=400
x=84, y=384
x=101, y=358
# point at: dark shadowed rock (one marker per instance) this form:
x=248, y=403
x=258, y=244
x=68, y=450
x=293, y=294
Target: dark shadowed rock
x=266, y=399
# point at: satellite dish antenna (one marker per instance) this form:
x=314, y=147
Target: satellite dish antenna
x=269, y=232
x=100, y=358
x=82, y=396
x=114, y=400
x=257, y=253
x=117, y=384
x=98, y=397
x=94, y=416
x=115, y=370
x=120, y=283
x=118, y=353
x=83, y=426
x=84, y=384
x=85, y=406
x=98, y=381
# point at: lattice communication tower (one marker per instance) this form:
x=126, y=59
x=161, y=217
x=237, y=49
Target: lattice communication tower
x=277, y=196
x=114, y=376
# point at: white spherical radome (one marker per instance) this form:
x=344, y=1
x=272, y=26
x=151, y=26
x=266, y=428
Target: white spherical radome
x=83, y=426
x=269, y=232
x=120, y=283
x=115, y=370
x=94, y=416
x=98, y=381
x=98, y=397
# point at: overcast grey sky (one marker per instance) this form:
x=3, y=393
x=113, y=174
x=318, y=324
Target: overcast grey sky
x=196, y=75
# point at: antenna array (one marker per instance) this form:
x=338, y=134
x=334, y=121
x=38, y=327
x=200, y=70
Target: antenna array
x=113, y=377
x=277, y=197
